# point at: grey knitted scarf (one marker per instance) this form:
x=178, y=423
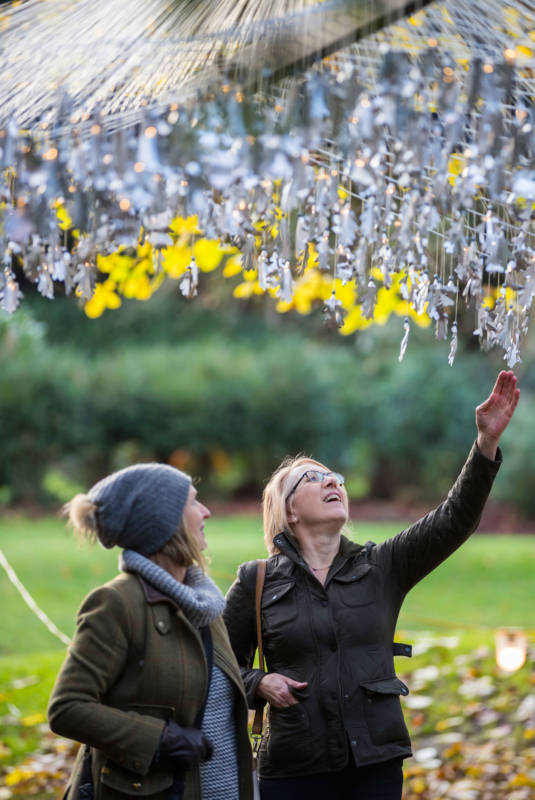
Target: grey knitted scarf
x=198, y=597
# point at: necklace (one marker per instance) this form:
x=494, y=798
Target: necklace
x=318, y=569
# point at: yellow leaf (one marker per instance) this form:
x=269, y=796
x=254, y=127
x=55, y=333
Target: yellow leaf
x=208, y=254
x=283, y=307
x=456, y=164
x=347, y=294
x=521, y=779
x=138, y=287
x=474, y=771
x=422, y=320
x=144, y=266
x=64, y=218
x=418, y=786
x=525, y=51
x=103, y=298
x=243, y=290
x=232, y=267
x=510, y=14
x=182, y=225
x=175, y=260
x=417, y=19
x=18, y=776
x=144, y=251
x=94, y=308
x=355, y=321
x=117, y=265
x=33, y=719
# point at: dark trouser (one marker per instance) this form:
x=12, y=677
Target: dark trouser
x=382, y=781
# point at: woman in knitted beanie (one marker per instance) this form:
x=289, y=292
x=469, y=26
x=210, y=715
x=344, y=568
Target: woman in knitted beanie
x=150, y=685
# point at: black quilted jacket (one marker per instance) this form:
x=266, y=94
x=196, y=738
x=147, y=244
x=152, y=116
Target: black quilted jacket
x=339, y=637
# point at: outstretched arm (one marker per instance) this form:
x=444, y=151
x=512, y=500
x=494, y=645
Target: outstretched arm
x=413, y=553
x=492, y=416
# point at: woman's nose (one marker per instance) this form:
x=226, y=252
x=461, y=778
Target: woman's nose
x=206, y=512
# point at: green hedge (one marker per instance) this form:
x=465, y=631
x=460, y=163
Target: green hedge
x=229, y=409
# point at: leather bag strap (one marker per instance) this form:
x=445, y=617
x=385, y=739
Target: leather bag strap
x=258, y=721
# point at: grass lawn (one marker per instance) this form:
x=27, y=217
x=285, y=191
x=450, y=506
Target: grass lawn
x=488, y=583
x=485, y=585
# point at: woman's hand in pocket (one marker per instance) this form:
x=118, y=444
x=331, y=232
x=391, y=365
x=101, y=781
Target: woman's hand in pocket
x=278, y=689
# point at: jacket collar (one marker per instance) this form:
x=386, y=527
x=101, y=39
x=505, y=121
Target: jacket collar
x=289, y=547
x=154, y=595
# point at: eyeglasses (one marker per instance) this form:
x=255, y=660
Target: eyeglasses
x=317, y=476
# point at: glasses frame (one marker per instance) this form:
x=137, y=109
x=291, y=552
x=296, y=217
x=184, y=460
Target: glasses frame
x=336, y=475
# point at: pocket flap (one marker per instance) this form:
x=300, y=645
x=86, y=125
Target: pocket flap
x=274, y=593
x=386, y=686
x=129, y=783
x=354, y=574
x=160, y=712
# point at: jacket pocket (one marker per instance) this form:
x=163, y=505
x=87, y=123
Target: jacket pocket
x=357, y=587
x=289, y=734
x=383, y=710
x=122, y=782
x=279, y=605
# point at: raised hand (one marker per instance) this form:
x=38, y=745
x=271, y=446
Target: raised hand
x=492, y=416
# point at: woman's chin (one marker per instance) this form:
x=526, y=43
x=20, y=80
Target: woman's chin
x=338, y=517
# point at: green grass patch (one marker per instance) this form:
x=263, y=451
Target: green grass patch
x=26, y=685
x=488, y=583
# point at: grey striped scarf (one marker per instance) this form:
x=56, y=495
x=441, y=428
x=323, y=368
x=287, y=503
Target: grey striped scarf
x=198, y=597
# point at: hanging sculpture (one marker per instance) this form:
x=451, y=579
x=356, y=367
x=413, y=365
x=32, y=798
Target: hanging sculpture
x=403, y=160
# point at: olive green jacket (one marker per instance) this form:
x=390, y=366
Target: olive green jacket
x=338, y=637
x=135, y=662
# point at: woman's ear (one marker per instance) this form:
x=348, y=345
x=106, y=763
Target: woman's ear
x=291, y=516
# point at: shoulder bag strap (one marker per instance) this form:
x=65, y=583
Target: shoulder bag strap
x=259, y=713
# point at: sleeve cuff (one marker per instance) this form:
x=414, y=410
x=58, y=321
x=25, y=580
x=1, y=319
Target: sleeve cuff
x=254, y=678
x=497, y=460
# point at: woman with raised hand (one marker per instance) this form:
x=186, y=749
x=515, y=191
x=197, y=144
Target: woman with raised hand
x=329, y=609
x=150, y=685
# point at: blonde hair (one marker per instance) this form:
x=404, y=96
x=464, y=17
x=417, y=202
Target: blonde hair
x=182, y=548
x=82, y=514
x=274, y=507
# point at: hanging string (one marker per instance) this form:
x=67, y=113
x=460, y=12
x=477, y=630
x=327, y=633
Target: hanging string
x=28, y=599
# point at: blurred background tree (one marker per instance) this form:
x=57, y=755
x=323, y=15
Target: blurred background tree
x=225, y=389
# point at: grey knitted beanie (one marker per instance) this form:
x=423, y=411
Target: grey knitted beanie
x=140, y=507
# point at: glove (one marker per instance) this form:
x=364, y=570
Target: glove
x=184, y=746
